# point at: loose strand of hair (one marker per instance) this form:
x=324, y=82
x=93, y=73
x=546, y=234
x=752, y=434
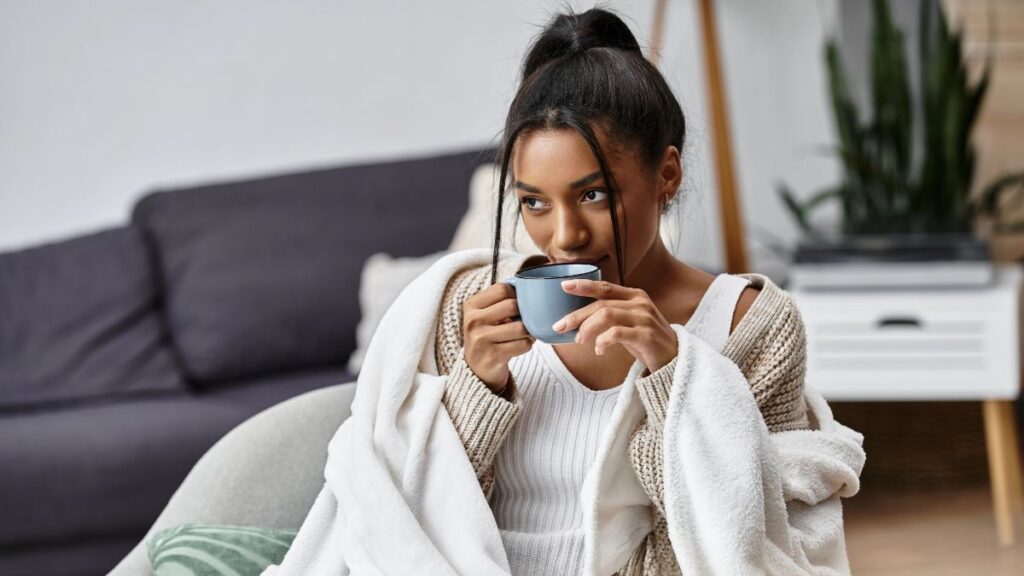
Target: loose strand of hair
x=506, y=154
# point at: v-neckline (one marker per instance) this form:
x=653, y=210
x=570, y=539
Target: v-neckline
x=556, y=364
x=562, y=371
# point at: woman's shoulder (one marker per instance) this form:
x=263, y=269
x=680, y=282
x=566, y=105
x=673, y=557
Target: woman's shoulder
x=746, y=300
x=764, y=310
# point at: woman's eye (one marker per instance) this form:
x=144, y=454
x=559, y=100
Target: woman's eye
x=528, y=202
x=595, y=195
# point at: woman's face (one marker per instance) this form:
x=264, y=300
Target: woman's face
x=564, y=202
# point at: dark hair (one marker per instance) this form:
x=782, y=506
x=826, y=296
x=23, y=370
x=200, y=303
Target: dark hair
x=586, y=69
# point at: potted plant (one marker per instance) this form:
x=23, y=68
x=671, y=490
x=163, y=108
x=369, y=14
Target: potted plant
x=908, y=169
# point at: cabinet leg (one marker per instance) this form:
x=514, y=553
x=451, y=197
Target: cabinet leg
x=1016, y=487
x=1003, y=465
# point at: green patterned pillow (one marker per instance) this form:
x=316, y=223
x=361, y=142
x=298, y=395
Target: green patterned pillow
x=205, y=550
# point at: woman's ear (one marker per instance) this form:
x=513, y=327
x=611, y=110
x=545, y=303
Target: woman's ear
x=670, y=173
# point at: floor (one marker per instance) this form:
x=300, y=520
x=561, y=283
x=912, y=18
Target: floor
x=938, y=533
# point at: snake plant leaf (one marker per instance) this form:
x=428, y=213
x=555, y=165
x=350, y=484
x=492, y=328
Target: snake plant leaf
x=795, y=208
x=801, y=210
x=952, y=130
x=874, y=177
x=893, y=114
x=934, y=69
x=976, y=96
x=843, y=110
x=820, y=197
x=962, y=214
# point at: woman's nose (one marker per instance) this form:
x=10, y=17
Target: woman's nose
x=571, y=233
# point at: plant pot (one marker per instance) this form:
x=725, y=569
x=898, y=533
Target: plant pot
x=892, y=261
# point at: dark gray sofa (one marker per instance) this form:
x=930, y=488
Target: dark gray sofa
x=126, y=353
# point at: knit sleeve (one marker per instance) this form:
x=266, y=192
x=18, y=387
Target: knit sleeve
x=654, y=390
x=773, y=359
x=481, y=417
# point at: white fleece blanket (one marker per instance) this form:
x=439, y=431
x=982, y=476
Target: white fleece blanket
x=400, y=495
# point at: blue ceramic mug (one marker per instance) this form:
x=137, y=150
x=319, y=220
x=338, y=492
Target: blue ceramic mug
x=542, y=302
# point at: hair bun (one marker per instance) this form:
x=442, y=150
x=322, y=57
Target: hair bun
x=571, y=33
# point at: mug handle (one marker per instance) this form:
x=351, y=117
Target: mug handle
x=511, y=281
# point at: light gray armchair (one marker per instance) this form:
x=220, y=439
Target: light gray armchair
x=266, y=472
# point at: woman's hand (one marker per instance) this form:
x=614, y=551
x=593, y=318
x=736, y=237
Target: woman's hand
x=621, y=315
x=490, y=337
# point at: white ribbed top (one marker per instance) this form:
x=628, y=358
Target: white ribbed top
x=541, y=465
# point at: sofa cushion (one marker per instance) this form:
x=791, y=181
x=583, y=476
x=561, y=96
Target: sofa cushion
x=476, y=229
x=263, y=275
x=78, y=319
x=382, y=280
x=108, y=469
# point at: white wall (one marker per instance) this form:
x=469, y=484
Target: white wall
x=101, y=101
x=773, y=54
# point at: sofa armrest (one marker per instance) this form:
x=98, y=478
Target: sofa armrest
x=266, y=472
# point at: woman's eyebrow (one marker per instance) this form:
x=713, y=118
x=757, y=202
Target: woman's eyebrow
x=588, y=179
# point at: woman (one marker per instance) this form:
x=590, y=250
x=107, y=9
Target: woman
x=592, y=151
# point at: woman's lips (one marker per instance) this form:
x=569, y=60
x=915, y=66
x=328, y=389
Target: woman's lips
x=583, y=261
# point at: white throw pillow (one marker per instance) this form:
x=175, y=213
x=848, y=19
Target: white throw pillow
x=383, y=278
x=476, y=230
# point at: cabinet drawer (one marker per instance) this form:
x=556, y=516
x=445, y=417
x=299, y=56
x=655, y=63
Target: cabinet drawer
x=892, y=345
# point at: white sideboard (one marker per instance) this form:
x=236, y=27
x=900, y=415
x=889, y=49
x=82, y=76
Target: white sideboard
x=927, y=344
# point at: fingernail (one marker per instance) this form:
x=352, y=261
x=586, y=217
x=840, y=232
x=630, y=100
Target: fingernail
x=559, y=326
x=599, y=351
x=568, y=284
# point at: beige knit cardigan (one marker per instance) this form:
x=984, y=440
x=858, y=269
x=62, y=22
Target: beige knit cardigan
x=768, y=345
